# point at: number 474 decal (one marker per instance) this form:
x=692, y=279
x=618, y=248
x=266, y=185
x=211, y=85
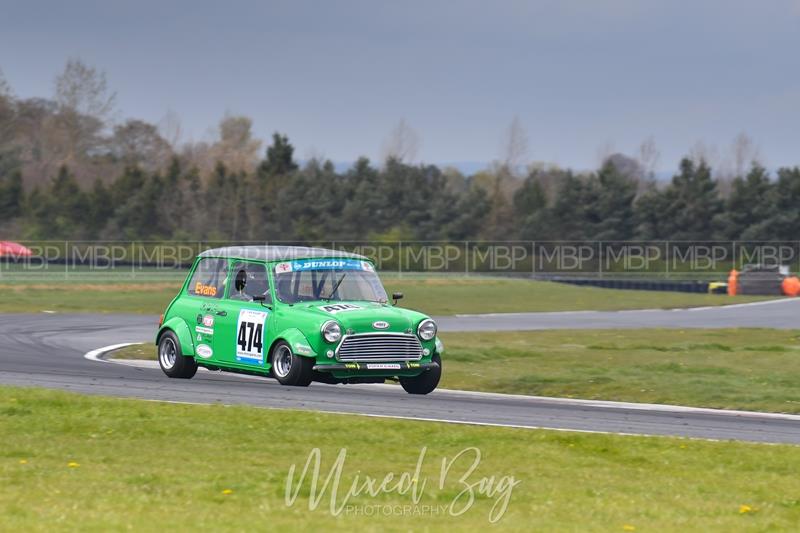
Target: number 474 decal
x=250, y=336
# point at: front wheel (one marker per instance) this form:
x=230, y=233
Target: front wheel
x=426, y=382
x=289, y=368
x=171, y=359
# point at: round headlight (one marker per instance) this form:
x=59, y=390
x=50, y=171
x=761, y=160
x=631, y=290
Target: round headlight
x=331, y=331
x=426, y=329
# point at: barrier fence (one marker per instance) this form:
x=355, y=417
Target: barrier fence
x=643, y=260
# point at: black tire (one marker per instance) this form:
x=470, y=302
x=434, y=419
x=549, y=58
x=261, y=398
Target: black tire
x=426, y=382
x=171, y=358
x=289, y=368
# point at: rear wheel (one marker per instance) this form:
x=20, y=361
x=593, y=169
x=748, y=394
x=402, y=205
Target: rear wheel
x=426, y=382
x=289, y=368
x=171, y=359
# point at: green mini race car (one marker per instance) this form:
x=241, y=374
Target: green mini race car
x=299, y=315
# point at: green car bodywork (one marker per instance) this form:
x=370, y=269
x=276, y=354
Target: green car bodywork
x=262, y=310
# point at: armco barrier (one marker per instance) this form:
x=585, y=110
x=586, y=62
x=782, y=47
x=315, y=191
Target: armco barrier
x=639, y=285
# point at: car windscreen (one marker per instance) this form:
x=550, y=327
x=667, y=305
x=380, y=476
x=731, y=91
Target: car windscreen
x=327, y=279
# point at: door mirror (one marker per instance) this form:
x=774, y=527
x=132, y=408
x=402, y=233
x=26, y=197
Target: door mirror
x=261, y=298
x=397, y=296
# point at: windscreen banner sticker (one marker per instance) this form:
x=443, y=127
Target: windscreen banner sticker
x=250, y=329
x=323, y=264
x=339, y=308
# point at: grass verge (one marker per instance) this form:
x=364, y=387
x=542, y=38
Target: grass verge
x=94, y=464
x=751, y=369
x=435, y=296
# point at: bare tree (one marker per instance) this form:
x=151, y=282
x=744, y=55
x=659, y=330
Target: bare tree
x=745, y=153
x=514, y=147
x=170, y=128
x=197, y=155
x=701, y=152
x=138, y=143
x=236, y=147
x=83, y=111
x=5, y=88
x=83, y=89
x=6, y=111
x=648, y=157
x=402, y=143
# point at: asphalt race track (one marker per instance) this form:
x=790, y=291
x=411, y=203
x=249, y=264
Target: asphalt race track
x=48, y=350
x=778, y=314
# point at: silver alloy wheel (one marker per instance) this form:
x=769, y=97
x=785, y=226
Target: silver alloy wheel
x=167, y=353
x=282, y=361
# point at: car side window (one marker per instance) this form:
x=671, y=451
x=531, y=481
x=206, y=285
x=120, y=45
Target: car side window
x=249, y=280
x=209, y=278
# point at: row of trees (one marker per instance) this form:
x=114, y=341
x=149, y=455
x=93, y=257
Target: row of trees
x=398, y=201
x=277, y=202
x=606, y=206
x=68, y=170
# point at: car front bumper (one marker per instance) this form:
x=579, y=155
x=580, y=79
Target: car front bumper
x=379, y=368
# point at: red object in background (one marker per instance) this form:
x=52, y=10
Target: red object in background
x=13, y=249
x=733, y=281
x=791, y=286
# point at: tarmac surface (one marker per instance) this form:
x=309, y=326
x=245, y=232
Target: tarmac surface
x=48, y=350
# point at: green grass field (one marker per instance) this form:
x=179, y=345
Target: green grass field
x=751, y=369
x=435, y=296
x=73, y=462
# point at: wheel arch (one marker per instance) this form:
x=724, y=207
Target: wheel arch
x=296, y=340
x=179, y=327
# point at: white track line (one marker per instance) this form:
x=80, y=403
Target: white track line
x=523, y=313
x=98, y=355
x=467, y=422
x=704, y=308
x=754, y=304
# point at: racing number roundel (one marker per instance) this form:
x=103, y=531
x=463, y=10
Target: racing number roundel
x=250, y=330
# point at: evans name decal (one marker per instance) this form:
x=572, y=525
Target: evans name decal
x=205, y=290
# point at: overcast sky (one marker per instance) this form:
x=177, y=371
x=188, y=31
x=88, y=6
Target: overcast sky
x=582, y=75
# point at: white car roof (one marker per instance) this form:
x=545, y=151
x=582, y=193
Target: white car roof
x=277, y=253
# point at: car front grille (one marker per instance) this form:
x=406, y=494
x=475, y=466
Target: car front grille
x=379, y=347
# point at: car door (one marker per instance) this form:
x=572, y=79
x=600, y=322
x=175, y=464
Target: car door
x=200, y=304
x=244, y=319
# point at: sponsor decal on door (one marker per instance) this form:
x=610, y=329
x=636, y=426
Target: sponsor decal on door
x=204, y=351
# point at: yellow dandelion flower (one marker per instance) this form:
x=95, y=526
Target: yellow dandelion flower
x=227, y=491
x=73, y=464
x=23, y=461
x=628, y=527
x=744, y=508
